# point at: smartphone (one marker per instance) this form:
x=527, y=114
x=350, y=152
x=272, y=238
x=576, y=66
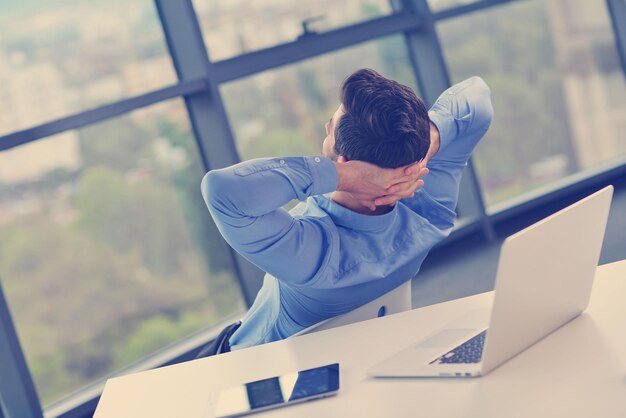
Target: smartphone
x=275, y=392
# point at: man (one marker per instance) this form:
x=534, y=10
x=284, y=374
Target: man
x=368, y=221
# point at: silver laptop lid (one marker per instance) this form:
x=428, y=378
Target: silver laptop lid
x=544, y=278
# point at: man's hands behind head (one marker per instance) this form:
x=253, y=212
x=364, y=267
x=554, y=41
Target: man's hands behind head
x=375, y=186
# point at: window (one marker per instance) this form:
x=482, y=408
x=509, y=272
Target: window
x=558, y=90
x=58, y=58
x=108, y=252
x=283, y=111
x=235, y=27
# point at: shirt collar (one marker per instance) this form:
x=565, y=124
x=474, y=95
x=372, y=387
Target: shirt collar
x=354, y=220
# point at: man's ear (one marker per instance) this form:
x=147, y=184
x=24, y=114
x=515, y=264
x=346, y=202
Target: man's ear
x=342, y=159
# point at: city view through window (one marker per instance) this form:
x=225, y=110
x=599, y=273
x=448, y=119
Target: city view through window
x=235, y=27
x=283, y=111
x=558, y=90
x=68, y=56
x=107, y=252
x=111, y=255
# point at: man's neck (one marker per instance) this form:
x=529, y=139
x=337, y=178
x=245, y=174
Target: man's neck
x=348, y=201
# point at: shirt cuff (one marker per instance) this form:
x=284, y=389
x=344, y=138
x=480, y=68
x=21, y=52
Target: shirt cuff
x=324, y=173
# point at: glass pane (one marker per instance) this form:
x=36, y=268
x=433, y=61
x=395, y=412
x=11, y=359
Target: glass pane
x=283, y=111
x=58, y=58
x=235, y=27
x=108, y=252
x=558, y=90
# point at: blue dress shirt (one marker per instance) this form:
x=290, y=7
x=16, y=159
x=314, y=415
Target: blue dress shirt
x=321, y=258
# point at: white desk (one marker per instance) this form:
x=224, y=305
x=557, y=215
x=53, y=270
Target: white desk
x=578, y=371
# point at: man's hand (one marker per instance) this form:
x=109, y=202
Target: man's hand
x=367, y=182
x=405, y=189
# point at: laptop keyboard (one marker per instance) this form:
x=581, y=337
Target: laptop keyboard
x=471, y=351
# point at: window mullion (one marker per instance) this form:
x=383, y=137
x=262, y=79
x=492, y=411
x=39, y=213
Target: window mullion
x=206, y=110
x=432, y=78
x=617, y=10
x=18, y=396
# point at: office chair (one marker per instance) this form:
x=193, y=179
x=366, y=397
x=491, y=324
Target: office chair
x=394, y=301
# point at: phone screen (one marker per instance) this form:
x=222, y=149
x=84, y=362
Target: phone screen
x=277, y=391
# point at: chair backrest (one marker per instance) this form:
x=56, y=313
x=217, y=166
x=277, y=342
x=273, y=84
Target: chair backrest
x=394, y=301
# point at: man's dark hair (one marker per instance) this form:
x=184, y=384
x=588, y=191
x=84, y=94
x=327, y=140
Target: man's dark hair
x=384, y=123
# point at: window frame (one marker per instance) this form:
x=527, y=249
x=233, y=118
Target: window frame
x=198, y=84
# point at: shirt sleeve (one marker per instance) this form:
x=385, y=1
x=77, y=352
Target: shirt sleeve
x=462, y=114
x=246, y=202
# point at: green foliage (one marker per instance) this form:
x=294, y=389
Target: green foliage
x=102, y=200
x=287, y=140
x=114, y=349
x=156, y=333
x=370, y=10
x=120, y=145
x=186, y=183
x=516, y=57
x=142, y=216
x=17, y=252
x=310, y=88
x=134, y=250
x=394, y=61
x=51, y=378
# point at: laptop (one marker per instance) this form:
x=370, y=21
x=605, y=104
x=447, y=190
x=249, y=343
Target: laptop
x=544, y=279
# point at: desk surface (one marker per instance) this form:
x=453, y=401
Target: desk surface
x=579, y=371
